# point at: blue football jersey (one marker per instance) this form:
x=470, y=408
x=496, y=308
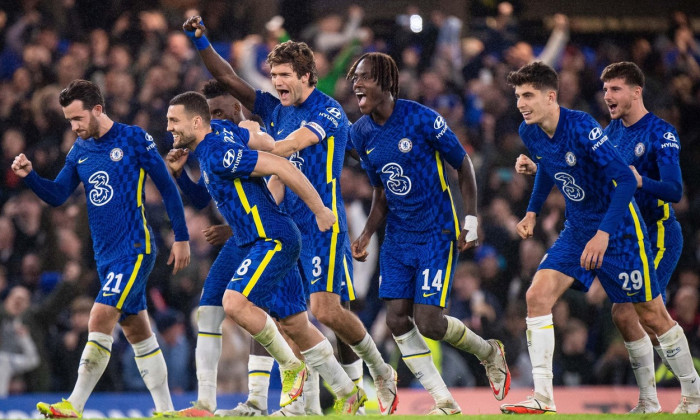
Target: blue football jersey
x=320, y=163
x=406, y=156
x=574, y=159
x=648, y=144
x=244, y=201
x=113, y=170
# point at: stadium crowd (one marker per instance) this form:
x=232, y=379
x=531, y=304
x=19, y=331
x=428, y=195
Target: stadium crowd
x=141, y=58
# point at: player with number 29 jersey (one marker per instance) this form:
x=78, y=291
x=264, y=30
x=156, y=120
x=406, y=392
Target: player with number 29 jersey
x=572, y=160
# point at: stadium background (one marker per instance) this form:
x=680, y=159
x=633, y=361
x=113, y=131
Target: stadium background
x=453, y=57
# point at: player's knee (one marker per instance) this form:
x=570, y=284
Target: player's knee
x=398, y=324
x=431, y=328
x=234, y=305
x=538, y=303
x=329, y=315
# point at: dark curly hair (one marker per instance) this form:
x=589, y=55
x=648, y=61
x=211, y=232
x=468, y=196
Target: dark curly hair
x=298, y=55
x=538, y=74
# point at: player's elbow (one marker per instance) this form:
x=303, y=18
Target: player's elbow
x=267, y=144
x=675, y=192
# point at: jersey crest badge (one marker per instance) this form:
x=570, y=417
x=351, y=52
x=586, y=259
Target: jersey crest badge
x=405, y=145
x=116, y=154
x=570, y=158
x=639, y=149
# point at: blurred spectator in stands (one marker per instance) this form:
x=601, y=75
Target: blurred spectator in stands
x=232, y=376
x=40, y=318
x=573, y=367
x=68, y=345
x=18, y=352
x=570, y=92
x=530, y=254
x=176, y=349
x=477, y=308
x=10, y=259
x=329, y=73
x=684, y=309
x=514, y=338
x=328, y=35
x=243, y=60
x=447, y=58
x=13, y=143
x=522, y=53
x=435, y=95
x=491, y=271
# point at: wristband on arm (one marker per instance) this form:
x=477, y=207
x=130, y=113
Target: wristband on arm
x=470, y=225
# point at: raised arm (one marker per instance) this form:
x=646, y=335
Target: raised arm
x=217, y=66
x=53, y=192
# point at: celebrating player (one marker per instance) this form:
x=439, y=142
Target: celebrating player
x=232, y=174
x=603, y=234
x=112, y=161
x=311, y=130
x=210, y=314
x=403, y=147
x=650, y=145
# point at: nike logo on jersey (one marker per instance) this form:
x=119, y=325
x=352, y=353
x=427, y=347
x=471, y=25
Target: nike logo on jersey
x=314, y=281
x=538, y=157
x=429, y=294
x=237, y=278
x=631, y=294
x=368, y=151
x=108, y=294
x=82, y=160
x=279, y=132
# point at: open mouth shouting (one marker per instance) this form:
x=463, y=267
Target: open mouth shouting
x=361, y=98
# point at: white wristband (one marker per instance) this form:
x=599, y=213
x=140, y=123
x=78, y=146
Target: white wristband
x=471, y=223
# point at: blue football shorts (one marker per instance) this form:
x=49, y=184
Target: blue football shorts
x=124, y=282
x=421, y=272
x=627, y=273
x=325, y=264
x=267, y=276
x=666, y=246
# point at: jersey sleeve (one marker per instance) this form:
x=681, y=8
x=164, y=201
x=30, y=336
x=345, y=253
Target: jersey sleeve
x=231, y=161
x=599, y=147
x=265, y=104
x=353, y=138
x=230, y=131
x=324, y=121
x=540, y=191
x=595, y=142
x=667, y=150
x=442, y=138
x=197, y=193
x=56, y=192
x=150, y=160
